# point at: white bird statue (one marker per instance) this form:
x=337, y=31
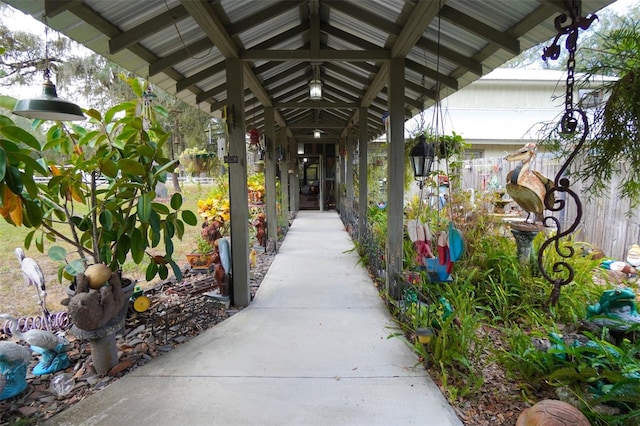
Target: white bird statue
x=34, y=276
x=14, y=359
x=526, y=187
x=53, y=348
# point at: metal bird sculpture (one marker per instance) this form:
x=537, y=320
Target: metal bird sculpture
x=527, y=187
x=34, y=276
x=53, y=348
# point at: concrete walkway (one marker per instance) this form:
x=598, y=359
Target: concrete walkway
x=311, y=349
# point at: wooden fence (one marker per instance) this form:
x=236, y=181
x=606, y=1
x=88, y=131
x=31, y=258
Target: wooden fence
x=605, y=221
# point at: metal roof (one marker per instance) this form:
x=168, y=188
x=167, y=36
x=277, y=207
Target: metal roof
x=181, y=47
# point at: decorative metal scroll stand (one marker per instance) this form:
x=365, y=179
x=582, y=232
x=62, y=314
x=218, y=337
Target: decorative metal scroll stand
x=563, y=273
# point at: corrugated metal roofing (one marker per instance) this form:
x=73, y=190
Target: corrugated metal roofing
x=161, y=41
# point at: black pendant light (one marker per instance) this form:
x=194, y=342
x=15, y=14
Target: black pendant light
x=422, y=156
x=48, y=106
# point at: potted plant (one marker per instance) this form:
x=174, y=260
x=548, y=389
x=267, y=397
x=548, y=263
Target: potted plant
x=258, y=166
x=207, y=252
x=256, y=188
x=99, y=196
x=215, y=212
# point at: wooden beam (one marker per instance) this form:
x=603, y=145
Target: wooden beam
x=317, y=105
x=204, y=15
x=432, y=74
x=322, y=55
x=421, y=15
x=179, y=56
x=260, y=17
x=450, y=55
x=55, y=7
x=480, y=29
x=282, y=37
x=147, y=28
x=185, y=83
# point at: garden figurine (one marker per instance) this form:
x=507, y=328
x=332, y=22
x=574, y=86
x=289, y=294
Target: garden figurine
x=526, y=187
x=52, y=348
x=14, y=359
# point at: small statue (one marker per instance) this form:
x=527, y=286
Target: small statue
x=526, y=187
x=90, y=309
x=14, y=359
x=52, y=348
x=34, y=276
x=616, y=310
x=260, y=224
x=633, y=256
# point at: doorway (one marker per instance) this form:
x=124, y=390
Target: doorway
x=310, y=182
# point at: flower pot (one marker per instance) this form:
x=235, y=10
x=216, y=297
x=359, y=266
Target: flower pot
x=201, y=260
x=128, y=286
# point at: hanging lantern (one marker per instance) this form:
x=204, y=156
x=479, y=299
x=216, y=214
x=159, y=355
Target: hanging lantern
x=315, y=89
x=422, y=155
x=316, y=134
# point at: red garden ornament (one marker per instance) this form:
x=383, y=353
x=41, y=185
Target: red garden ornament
x=254, y=139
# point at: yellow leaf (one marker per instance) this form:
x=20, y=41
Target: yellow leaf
x=16, y=212
x=76, y=196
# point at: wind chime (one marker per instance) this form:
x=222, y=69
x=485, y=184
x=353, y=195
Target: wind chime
x=449, y=244
x=255, y=144
x=573, y=120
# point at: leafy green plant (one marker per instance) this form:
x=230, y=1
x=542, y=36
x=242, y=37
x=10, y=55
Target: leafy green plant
x=102, y=200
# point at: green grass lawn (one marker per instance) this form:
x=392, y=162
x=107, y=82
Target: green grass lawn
x=17, y=299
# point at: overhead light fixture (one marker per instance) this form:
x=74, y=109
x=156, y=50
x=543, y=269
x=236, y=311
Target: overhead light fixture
x=300, y=148
x=422, y=155
x=48, y=106
x=315, y=89
x=316, y=134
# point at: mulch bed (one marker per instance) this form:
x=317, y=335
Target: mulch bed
x=178, y=312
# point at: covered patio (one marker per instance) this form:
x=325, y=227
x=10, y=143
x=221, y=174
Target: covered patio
x=253, y=63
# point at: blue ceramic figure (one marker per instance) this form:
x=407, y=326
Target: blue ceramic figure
x=53, y=348
x=14, y=360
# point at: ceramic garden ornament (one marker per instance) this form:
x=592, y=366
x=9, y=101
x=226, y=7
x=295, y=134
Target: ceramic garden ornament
x=616, y=310
x=14, y=360
x=527, y=187
x=52, y=348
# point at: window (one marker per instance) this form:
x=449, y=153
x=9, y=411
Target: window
x=591, y=98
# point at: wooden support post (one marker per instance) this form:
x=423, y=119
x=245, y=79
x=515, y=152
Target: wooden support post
x=363, y=172
x=270, y=179
x=239, y=206
x=294, y=183
x=349, y=176
x=395, y=178
x=284, y=180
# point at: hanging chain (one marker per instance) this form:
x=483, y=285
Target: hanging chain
x=46, y=72
x=569, y=122
x=563, y=271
